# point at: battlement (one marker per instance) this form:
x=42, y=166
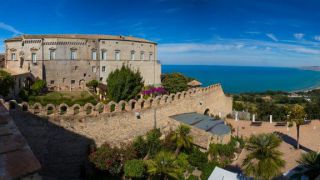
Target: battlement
x=112, y=107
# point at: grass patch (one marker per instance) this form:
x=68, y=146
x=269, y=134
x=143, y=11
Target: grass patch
x=70, y=98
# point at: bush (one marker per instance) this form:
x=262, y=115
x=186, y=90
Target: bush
x=124, y=84
x=112, y=159
x=38, y=86
x=198, y=158
x=192, y=177
x=207, y=169
x=134, y=168
x=6, y=83
x=175, y=82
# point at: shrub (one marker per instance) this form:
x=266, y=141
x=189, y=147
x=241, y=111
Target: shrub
x=207, y=169
x=197, y=158
x=112, y=159
x=175, y=82
x=6, y=83
x=124, y=84
x=134, y=168
x=37, y=87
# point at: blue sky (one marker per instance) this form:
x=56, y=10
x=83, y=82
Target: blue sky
x=217, y=32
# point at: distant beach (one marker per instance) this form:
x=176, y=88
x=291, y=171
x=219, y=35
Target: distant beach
x=239, y=79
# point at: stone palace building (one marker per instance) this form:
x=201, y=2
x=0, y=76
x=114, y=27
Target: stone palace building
x=69, y=61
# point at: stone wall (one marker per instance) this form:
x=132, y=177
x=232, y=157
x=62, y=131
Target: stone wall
x=123, y=121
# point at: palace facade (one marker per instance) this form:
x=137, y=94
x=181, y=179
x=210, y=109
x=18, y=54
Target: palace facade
x=68, y=62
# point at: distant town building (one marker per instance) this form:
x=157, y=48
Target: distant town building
x=67, y=62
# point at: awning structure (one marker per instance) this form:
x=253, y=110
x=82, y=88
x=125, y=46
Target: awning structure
x=194, y=83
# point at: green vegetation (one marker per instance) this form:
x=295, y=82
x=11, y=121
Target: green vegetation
x=182, y=138
x=38, y=87
x=296, y=116
x=93, y=84
x=134, y=168
x=67, y=97
x=124, y=84
x=6, y=83
x=175, y=82
x=151, y=157
x=264, y=160
x=309, y=165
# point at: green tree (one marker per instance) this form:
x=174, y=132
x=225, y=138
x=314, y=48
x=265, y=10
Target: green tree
x=124, y=84
x=6, y=83
x=38, y=86
x=93, y=84
x=134, y=168
x=148, y=146
x=164, y=165
x=297, y=115
x=175, y=82
x=263, y=160
x=309, y=165
x=182, y=138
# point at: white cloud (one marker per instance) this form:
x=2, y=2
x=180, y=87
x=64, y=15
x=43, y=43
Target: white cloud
x=10, y=28
x=272, y=36
x=298, y=36
x=197, y=47
x=317, y=38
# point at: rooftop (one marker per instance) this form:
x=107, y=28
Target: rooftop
x=207, y=123
x=194, y=83
x=79, y=36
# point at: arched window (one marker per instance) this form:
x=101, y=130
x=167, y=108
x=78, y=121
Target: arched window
x=142, y=55
x=117, y=55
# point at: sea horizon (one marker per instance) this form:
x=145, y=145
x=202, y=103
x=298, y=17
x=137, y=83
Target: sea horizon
x=249, y=79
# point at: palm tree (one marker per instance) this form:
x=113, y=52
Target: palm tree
x=309, y=165
x=182, y=138
x=264, y=160
x=297, y=115
x=164, y=165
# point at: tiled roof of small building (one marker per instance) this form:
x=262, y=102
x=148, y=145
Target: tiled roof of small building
x=79, y=36
x=16, y=158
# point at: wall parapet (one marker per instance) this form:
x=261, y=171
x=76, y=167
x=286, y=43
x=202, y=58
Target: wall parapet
x=110, y=108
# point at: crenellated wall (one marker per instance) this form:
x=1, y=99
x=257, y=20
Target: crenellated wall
x=121, y=122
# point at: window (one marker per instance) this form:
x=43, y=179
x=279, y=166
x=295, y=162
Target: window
x=93, y=69
x=142, y=55
x=84, y=75
x=101, y=78
x=150, y=56
x=73, y=55
x=73, y=81
x=76, y=67
x=103, y=69
x=34, y=57
x=132, y=55
x=104, y=55
x=13, y=56
x=52, y=82
x=64, y=80
x=52, y=55
x=117, y=55
x=94, y=55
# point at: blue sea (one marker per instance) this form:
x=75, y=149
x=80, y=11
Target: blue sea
x=239, y=79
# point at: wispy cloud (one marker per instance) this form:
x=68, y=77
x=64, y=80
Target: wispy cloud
x=298, y=36
x=10, y=28
x=317, y=38
x=272, y=36
x=171, y=10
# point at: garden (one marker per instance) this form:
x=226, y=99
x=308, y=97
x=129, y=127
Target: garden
x=157, y=157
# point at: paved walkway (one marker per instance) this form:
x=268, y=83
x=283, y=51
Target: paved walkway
x=309, y=139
